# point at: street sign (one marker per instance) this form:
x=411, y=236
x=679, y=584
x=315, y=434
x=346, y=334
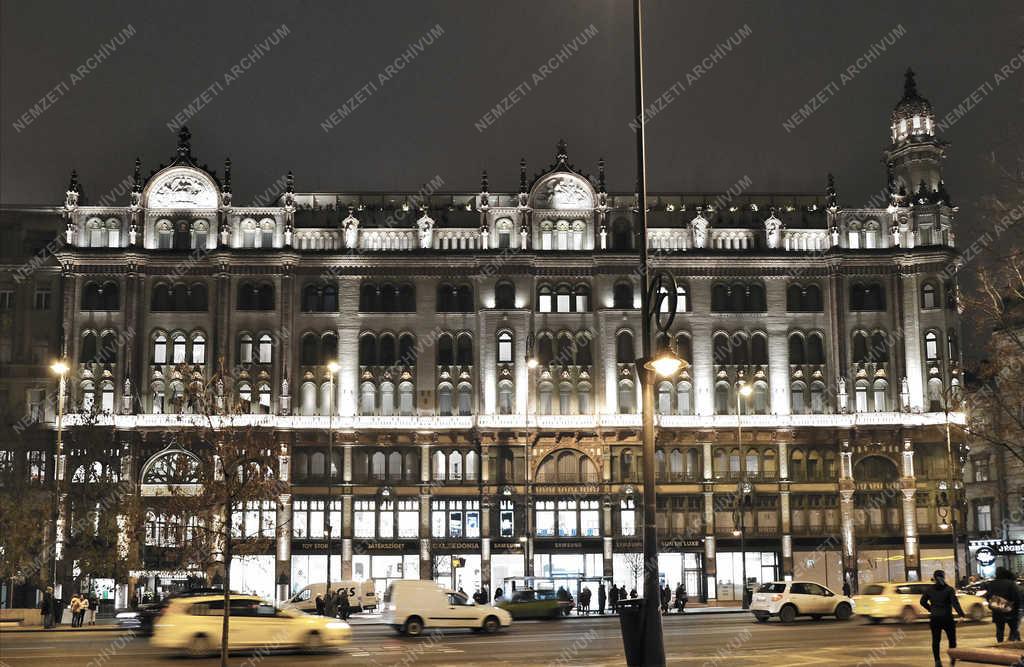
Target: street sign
x=458, y=562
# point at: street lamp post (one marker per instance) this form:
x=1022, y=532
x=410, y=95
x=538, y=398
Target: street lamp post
x=332, y=368
x=743, y=490
x=60, y=368
x=531, y=365
x=645, y=645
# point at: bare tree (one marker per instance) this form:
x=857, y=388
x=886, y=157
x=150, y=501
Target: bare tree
x=231, y=462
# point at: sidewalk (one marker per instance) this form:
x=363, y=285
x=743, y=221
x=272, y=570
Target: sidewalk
x=704, y=610
x=102, y=624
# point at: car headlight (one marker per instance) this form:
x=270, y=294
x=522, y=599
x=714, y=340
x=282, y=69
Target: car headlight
x=337, y=625
x=127, y=614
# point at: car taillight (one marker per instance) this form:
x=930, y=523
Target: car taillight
x=776, y=597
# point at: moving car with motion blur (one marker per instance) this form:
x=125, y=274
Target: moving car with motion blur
x=140, y=619
x=412, y=605
x=528, y=603
x=788, y=599
x=902, y=601
x=194, y=625
x=362, y=596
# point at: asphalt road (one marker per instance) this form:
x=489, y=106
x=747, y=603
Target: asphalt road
x=702, y=641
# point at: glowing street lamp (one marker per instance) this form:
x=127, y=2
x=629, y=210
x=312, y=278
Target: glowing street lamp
x=332, y=367
x=61, y=369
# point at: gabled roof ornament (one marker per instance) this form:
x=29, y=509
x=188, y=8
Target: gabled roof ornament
x=184, y=143
x=600, y=176
x=73, y=192
x=522, y=175
x=226, y=187
x=137, y=177
x=562, y=153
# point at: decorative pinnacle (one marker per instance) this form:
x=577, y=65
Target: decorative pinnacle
x=184, y=142
x=562, y=154
x=137, y=177
x=909, y=85
x=600, y=175
x=522, y=174
x=289, y=182
x=227, y=175
x=830, y=191
x=483, y=181
x=73, y=183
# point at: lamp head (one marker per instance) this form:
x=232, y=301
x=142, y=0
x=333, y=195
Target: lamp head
x=531, y=362
x=746, y=389
x=59, y=367
x=665, y=364
x=333, y=367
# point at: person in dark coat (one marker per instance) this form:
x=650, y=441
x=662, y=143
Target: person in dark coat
x=632, y=593
x=666, y=598
x=940, y=601
x=681, y=598
x=320, y=605
x=846, y=587
x=1004, y=601
x=343, y=605
x=602, y=597
x=613, y=598
x=46, y=608
x=330, y=605
x=499, y=595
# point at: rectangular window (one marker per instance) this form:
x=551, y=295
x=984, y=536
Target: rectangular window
x=545, y=518
x=984, y=518
x=627, y=522
x=504, y=350
x=438, y=523
x=364, y=519
x=42, y=300
x=506, y=519
x=408, y=518
x=590, y=518
x=981, y=470
x=300, y=519
x=567, y=518
x=562, y=302
x=387, y=519
x=6, y=299
x=544, y=303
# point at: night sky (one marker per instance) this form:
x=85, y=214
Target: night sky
x=423, y=121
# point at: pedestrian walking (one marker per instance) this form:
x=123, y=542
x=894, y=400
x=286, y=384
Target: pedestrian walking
x=602, y=597
x=846, y=587
x=940, y=601
x=499, y=595
x=585, y=601
x=613, y=597
x=46, y=608
x=330, y=605
x=83, y=609
x=666, y=598
x=681, y=598
x=94, y=608
x=319, y=602
x=343, y=605
x=632, y=594
x=1004, y=601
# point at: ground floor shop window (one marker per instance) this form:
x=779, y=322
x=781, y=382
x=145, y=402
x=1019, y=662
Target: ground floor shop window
x=309, y=570
x=385, y=569
x=506, y=567
x=761, y=566
x=253, y=575
x=466, y=578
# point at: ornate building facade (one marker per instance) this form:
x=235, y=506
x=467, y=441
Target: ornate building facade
x=486, y=403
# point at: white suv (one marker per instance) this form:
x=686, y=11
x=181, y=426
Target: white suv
x=789, y=599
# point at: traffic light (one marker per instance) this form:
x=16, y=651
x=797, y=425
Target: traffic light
x=458, y=562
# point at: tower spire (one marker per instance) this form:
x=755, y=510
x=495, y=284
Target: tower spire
x=522, y=175
x=909, y=85
x=830, y=191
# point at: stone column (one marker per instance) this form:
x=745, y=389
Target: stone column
x=426, y=563
x=284, y=546
x=346, y=452
x=786, y=528
x=486, y=507
x=911, y=539
x=710, y=564
x=608, y=541
x=346, y=535
x=846, y=491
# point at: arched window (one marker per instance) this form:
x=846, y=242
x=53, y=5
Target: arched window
x=464, y=299
x=465, y=400
x=860, y=347
x=406, y=298
x=684, y=398
x=90, y=348
x=755, y=302
x=264, y=398
x=583, y=352
x=455, y=470
x=627, y=398
x=328, y=348
x=472, y=464
x=796, y=349
x=367, y=350
x=664, y=398
x=506, y=397
x=797, y=469
x=622, y=295
x=245, y=349
x=722, y=398
x=581, y=298
x=405, y=398
x=929, y=296
x=954, y=346
x=881, y=391
x=161, y=299
x=545, y=299
x=675, y=463
x=931, y=346
x=367, y=399
x=386, y=346
x=505, y=296
x=108, y=348
x=544, y=391
x=861, y=396
x=752, y=462
x=265, y=349
x=440, y=466
x=197, y=301
x=624, y=350
x=444, y=400
x=935, y=395
x=309, y=354
x=564, y=349
x=199, y=349
x=719, y=298
x=464, y=350
x=388, y=298
x=879, y=347
x=622, y=235
x=684, y=348
x=368, y=298
x=378, y=466
x=720, y=464
x=406, y=350
x=178, y=348
x=818, y=398
x=815, y=349
x=505, y=347
x=317, y=464
x=798, y=398
x=759, y=349
x=445, y=350
x=627, y=467
x=160, y=348
x=722, y=349
x=760, y=398
x=387, y=399
x=307, y=395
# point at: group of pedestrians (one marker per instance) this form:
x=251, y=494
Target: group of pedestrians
x=334, y=604
x=1004, y=600
x=83, y=609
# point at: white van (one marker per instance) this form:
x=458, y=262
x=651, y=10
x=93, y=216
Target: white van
x=410, y=605
x=362, y=596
